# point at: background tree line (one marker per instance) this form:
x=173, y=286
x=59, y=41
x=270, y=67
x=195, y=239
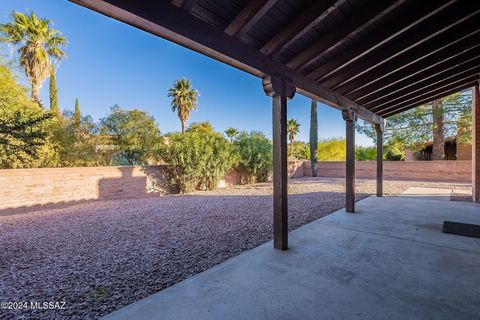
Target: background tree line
x=449, y=117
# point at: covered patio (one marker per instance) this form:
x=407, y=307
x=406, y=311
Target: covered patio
x=370, y=60
x=389, y=261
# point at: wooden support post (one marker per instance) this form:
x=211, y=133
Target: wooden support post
x=279, y=90
x=350, y=118
x=379, y=128
x=476, y=143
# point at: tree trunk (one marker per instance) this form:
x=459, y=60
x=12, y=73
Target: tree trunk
x=36, y=93
x=314, y=138
x=438, y=149
x=183, y=126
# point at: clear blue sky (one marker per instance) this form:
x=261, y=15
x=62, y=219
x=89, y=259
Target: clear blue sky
x=112, y=63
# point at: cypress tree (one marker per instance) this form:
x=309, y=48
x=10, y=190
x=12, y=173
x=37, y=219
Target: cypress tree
x=314, y=138
x=53, y=92
x=77, y=117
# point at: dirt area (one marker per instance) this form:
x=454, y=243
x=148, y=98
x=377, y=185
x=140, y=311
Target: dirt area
x=99, y=256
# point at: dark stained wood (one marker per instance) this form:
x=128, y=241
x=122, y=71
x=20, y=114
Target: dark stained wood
x=419, y=12
x=414, y=96
x=249, y=16
x=379, y=131
x=428, y=37
x=280, y=90
x=417, y=51
x=350, y=166
x=350, y=162
x=374, y=11
x=453, y=75
x=446, y=92
x=280, y=177
x=451, y=43
x=315, y=13
x=476, y=143
x=460, y=54
x=177, y=25
x=185, y=4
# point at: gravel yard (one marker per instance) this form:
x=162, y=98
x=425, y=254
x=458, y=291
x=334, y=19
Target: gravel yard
x=100, y=256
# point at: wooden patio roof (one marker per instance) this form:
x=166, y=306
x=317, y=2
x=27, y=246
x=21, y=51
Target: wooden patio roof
x=375, y=57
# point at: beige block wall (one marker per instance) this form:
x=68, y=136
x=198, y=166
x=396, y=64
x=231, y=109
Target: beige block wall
x=32, y=187
x=28, y=187
x=464, y=151
x=458, y=171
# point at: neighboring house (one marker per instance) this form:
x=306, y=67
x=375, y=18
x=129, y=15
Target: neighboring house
x=453, y=151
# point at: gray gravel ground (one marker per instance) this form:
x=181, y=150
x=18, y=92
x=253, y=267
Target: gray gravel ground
x=100, y=256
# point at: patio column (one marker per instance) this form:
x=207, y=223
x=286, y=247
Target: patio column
x=280, y=91
x=379, y=128
x=350, y=117
x=476, y=143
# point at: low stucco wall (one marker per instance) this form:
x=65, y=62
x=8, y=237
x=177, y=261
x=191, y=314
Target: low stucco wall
x=457, y=171
x=30, y=187
x=33, y=187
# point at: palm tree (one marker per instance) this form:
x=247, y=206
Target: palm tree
x=184, y=99
x=293, y=127
x=231, y=133
x=37, y=43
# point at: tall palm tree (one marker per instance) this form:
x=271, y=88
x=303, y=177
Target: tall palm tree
x=231, y=133
x=293, y=127
x=184, y=99
x=37, y=43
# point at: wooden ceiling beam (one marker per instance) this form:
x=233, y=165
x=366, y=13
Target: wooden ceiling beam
x=420, y=11
x=430, y=35
x=441, y=61
x=446, y=42
x=168, y=21
x=411, y=98
x=429, y=99
x=428, y=75
x=453, y=75
x=310, y=17
x=248, y=17
x=184, y=4
x=370, y=14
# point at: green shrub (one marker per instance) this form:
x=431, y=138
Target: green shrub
x=256, y=157
x=134, y=133
x=299, y=150
x=332, y=149
x=24, y=135
x=365, y=153
x=197, y=159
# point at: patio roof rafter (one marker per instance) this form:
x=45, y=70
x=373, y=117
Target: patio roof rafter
x=428, y=90
x=177, y=25
x=367, y=16
x=460, y=73
x=388, y=32
x=315, y=13
x=414, y=44
x=369, y=59
x=453, y=40
x=185, y=4
x=428, y=98
x=424, y=69
x=247, y=18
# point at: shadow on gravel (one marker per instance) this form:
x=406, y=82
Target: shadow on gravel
x=108, y=254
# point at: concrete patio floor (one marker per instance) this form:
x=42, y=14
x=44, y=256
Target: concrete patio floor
x=388, y=261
